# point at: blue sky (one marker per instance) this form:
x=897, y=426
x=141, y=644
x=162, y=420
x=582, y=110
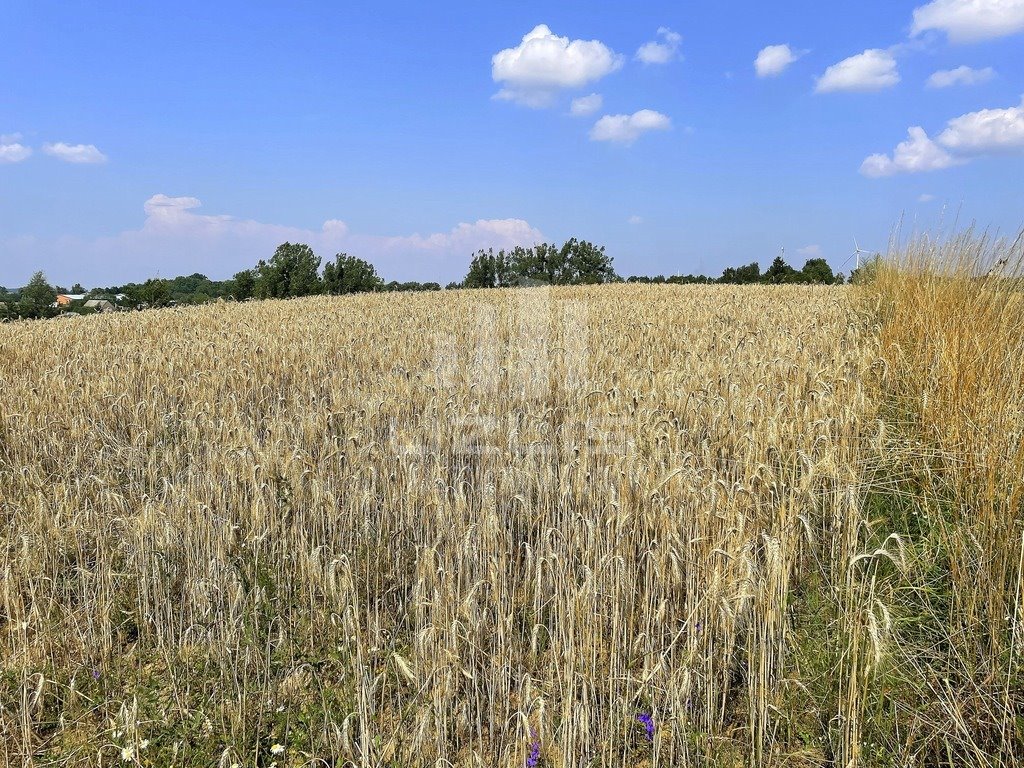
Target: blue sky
x=135, y=140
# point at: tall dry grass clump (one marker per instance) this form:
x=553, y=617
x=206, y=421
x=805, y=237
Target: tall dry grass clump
x=949, y=479
x=595, y=526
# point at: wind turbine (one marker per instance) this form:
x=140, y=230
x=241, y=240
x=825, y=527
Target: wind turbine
x=857, y=251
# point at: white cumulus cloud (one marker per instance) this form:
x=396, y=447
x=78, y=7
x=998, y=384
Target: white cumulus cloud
x=925, y=198
x=872, y=70
x=662, y=50
x=586, y=105
x=988, y=131
x=773, y=60
x=11, y=148
x=966, y=21
x=915, y=155
x=810, y=251
x=75, y=153
x=175, y=238
x=625, y=129
x=634, y=219
x=543, y=64
x=946, y=78
x=976, y=134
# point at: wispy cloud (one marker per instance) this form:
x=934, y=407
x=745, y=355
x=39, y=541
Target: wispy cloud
x=75, y=153
x=946, y=78
x=661, y=51
x=176, y=237
x=625, y=129
x=11, y=148
x=586, y=105
x=872, y=70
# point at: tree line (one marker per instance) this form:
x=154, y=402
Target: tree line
x=295, y=270
x=575, y=262
x=814, y=271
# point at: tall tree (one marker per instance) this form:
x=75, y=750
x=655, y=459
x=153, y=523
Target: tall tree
x=780, y=272
x=37, y=296
x=243, y=284
x=293, y=270
x=585, y=263
x=490, y=270
x=349, y=274
x=543, y=262
x=751, y=273
x=817, y=271
x=156, y=292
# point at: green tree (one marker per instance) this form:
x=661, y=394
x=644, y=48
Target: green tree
x=751, y=273
x=243, y=284
x=545, y=263
x=77, y=288
x=349, y=274
x=293, y=270
x=780, y=272
x=817, y=271
x=490, y=270
x=583, y=263
x=867, y=271
x=156, y=292
x=37, y=296
x=572, y=263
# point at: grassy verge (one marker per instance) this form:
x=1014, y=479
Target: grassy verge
x=946, y=490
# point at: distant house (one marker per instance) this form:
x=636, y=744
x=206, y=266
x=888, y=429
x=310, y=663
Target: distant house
x=100, y=305
x=63, y=299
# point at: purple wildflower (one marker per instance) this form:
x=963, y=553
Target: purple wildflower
x=95, y=674
x=648, y=724
x=534, y=758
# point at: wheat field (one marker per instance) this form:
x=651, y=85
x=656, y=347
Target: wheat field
x=592, y=526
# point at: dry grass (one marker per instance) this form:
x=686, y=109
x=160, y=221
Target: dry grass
x=404, y=530
x=952, y=338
